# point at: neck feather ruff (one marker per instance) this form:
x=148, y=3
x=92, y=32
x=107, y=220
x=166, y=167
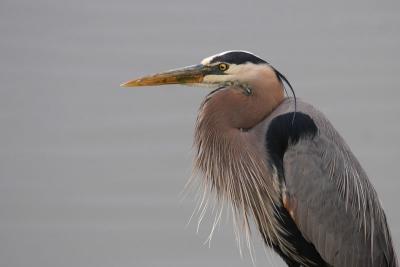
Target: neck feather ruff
x=234, y=171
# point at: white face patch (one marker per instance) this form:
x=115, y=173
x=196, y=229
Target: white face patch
x=217, y=79
x=243, y=73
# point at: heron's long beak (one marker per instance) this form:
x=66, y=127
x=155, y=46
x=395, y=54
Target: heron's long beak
x=187, y=75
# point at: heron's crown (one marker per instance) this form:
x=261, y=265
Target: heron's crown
x=234, y=57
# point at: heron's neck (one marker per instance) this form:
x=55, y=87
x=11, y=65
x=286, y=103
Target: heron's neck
x=223, y=138
x=231, y=109
x=232, y=163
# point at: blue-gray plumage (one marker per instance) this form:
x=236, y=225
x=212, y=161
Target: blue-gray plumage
x=326, y=191
x=279, y=161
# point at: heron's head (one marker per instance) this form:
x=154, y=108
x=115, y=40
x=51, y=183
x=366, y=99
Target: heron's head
x=246, y=87
x=231, y=67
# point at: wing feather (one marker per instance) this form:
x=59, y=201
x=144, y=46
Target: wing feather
x=332, y=201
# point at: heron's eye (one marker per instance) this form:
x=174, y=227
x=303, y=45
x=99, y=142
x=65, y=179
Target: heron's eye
x=223, y=67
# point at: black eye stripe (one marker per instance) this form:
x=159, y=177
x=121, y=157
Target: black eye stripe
x=238, y=57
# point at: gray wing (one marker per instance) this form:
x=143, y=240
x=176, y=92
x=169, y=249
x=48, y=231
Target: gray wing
x=332, y=201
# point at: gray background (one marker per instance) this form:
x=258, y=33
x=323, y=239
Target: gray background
x=91, y=174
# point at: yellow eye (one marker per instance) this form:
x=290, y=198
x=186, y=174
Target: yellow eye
x=223, y=67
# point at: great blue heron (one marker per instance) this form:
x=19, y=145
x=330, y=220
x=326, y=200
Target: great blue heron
x=279, y=161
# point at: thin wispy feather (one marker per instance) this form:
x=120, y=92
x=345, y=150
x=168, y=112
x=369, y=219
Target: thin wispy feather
x=234, y=174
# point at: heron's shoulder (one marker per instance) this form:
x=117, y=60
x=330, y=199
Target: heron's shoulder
x=288, y=124
x=289, y=105
x=301, y=116
x=295, y=119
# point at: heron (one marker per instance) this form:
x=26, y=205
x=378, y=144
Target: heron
x=280, y=164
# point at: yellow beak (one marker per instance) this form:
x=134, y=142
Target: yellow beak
x=187, y=75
